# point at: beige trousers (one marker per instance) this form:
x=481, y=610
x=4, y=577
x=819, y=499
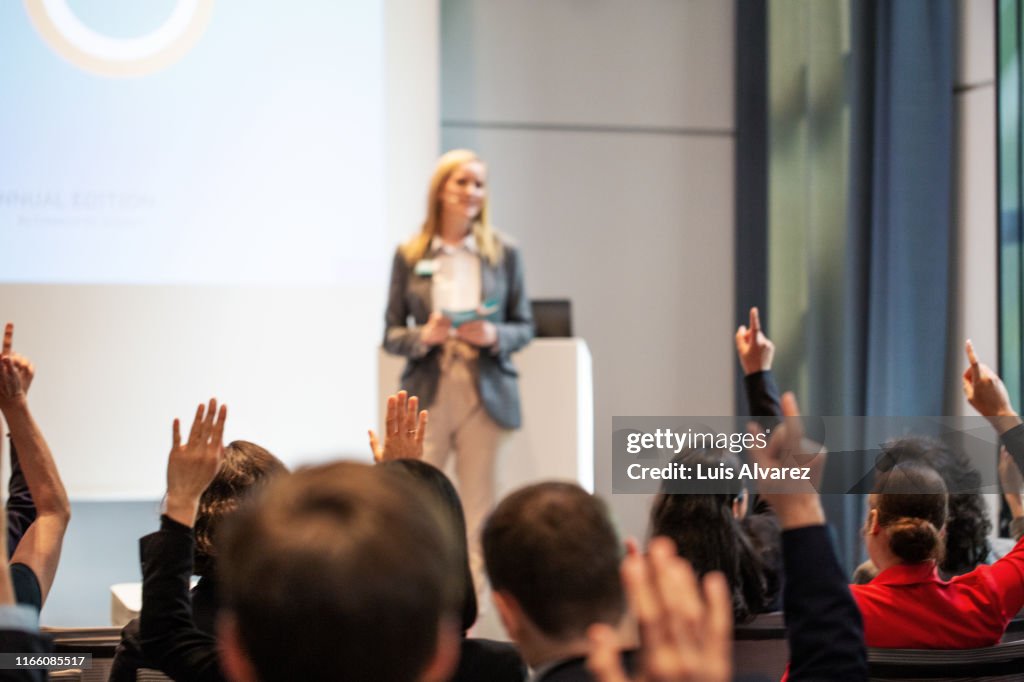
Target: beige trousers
x=460, y=424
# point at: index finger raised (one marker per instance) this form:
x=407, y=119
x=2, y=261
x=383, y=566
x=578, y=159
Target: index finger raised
x=972, y=357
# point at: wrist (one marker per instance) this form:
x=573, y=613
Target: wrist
x=182, y=509
x=1004, y=420
x=751, y=368
x=801, y=509
x=18, y=403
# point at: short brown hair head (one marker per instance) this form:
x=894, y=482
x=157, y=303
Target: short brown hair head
x=553, y=548
x=245, y=468
x=339, y=571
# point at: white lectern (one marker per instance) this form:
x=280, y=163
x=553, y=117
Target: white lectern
x=557, y=393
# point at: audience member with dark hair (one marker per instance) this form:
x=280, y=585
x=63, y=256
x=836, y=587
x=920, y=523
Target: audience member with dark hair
x=968, y=525
x=967, y=522
x=245, y=467
x=340, y=571
x=39, y=499
x=685, y=627
x=479, y=659
x=708, y=530
x=552, y=558
x=907, y=605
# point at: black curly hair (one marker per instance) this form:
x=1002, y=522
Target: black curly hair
x=706, y=534
x=967, y=525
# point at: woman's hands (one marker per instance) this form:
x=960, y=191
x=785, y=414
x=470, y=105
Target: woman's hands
x=480, y=333
x=436, y=331
x=193, y=464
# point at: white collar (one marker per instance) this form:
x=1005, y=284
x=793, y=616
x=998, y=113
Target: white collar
x=469, y=244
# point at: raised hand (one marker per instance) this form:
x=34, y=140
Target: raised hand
x=796, y=502
x=26, y=370
x=193, y=464
x=685, y=626
x=404, y=429
x=986, y=393
x=754, y=349
x=436, y=330
x=12, y=391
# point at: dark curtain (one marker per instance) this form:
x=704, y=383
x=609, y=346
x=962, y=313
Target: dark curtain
x=901, y=223
x=887, y=343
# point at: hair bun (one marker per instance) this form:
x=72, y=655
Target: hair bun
x=914, y=539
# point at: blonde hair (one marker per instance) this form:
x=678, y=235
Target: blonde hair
x=487, y=242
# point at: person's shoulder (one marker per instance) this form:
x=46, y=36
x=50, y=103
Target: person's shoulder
x=507, y=242
x=491, y=660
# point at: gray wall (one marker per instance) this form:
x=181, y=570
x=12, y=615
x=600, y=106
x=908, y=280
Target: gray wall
x=608, y=129
x=101, y=549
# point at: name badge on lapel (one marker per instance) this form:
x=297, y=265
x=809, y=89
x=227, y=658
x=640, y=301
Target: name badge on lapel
x=425, y=267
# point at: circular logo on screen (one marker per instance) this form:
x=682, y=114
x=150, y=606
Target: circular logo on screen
x=106, y=56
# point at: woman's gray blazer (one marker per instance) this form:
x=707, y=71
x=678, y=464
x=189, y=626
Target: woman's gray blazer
x=410, y=296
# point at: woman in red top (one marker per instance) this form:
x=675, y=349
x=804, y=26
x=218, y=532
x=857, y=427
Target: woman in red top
x=908, y=606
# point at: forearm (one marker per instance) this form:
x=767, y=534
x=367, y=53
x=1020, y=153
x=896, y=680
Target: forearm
x=824, y=627
x=21, y=510
x=405, y=341
x=182, y=509
x=1013, y=439
x=512, y=336
x=167, y=632
x=762, y=394
x=36, y=461
x=799, y=511
x=1016, y=504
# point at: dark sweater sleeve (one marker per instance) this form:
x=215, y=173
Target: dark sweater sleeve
x=21, y=510
x=167, y=633
x=1014, y=442
x=823, y=623
x=763, y=401
x=762, y=395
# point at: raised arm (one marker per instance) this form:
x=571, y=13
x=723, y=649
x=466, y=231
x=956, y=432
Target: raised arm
x=40, y=547
x=168, y=635
x=987, y=394
x=1012, y=483
x=21, y=510
x=19, y=629
x=756, y=352
x=823, y=623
